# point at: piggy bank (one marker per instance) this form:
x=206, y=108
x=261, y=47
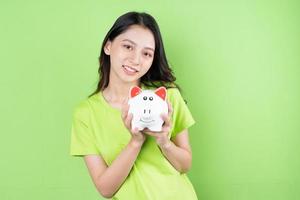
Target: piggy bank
x=146, y=107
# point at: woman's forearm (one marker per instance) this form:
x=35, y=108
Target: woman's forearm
x=180, y=158
x=113, y=177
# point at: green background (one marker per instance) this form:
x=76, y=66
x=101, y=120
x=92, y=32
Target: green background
x=237, y=62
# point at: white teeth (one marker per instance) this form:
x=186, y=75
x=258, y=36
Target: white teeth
x=130, y=69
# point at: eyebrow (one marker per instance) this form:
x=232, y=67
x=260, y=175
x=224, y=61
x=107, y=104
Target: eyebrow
x=135, y=44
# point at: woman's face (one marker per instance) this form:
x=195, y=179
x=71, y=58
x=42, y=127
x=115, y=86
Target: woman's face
x=131, y=53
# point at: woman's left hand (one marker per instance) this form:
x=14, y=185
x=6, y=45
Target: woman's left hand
x=161, y=137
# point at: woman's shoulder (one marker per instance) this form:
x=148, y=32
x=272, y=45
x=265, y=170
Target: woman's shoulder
x=82, y=108
x=173, y=94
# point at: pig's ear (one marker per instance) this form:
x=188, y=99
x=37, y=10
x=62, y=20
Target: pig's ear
x=161, y=92
x=134, y=91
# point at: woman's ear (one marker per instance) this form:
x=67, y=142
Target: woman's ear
x=107, y=47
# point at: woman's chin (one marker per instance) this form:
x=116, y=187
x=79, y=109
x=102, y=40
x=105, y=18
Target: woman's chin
x=130, y=79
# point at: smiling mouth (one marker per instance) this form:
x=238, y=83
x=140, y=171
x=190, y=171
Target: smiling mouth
x=146, y=121
x=130, y=69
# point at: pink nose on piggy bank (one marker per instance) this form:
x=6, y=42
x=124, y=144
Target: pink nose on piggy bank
x=147, y=116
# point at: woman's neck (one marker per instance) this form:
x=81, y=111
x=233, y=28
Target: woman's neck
x=118, y=92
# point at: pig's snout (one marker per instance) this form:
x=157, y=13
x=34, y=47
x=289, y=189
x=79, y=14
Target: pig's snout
x=147, y=111
x=147, y=115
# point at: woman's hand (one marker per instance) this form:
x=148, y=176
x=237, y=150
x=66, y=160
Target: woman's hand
x=137, y=137
x=161, y=137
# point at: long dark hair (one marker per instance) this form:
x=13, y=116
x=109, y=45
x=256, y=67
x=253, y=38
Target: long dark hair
x=159, y=74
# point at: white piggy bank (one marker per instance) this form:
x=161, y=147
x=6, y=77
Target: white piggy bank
x=146, y=107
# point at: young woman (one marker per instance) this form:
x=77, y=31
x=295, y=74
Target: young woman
x=127, y=164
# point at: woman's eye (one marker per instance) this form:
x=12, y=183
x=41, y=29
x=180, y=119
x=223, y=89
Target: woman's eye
x=148, y=54
x=127, y=46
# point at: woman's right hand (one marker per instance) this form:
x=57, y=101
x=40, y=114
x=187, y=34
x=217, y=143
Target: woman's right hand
x=137, y=137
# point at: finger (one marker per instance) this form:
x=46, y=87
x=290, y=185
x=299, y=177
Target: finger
x=125, y=106
x=170, y=109
x=135, y=131
x=125, y=110
x=125, y=101
x=148, y=132
x=123, y=115
x=128, y=120
x=166, y=129
x=166, y=119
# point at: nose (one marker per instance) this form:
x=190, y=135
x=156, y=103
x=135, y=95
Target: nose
x=147, y=113
x=135, y=58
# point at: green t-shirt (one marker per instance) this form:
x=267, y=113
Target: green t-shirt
x=97, y=128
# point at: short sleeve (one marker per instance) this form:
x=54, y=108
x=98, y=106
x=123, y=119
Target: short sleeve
x=182, y=117
x=82, y=138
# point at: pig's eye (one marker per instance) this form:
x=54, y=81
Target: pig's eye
x=150, y=98
x=145, y=98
